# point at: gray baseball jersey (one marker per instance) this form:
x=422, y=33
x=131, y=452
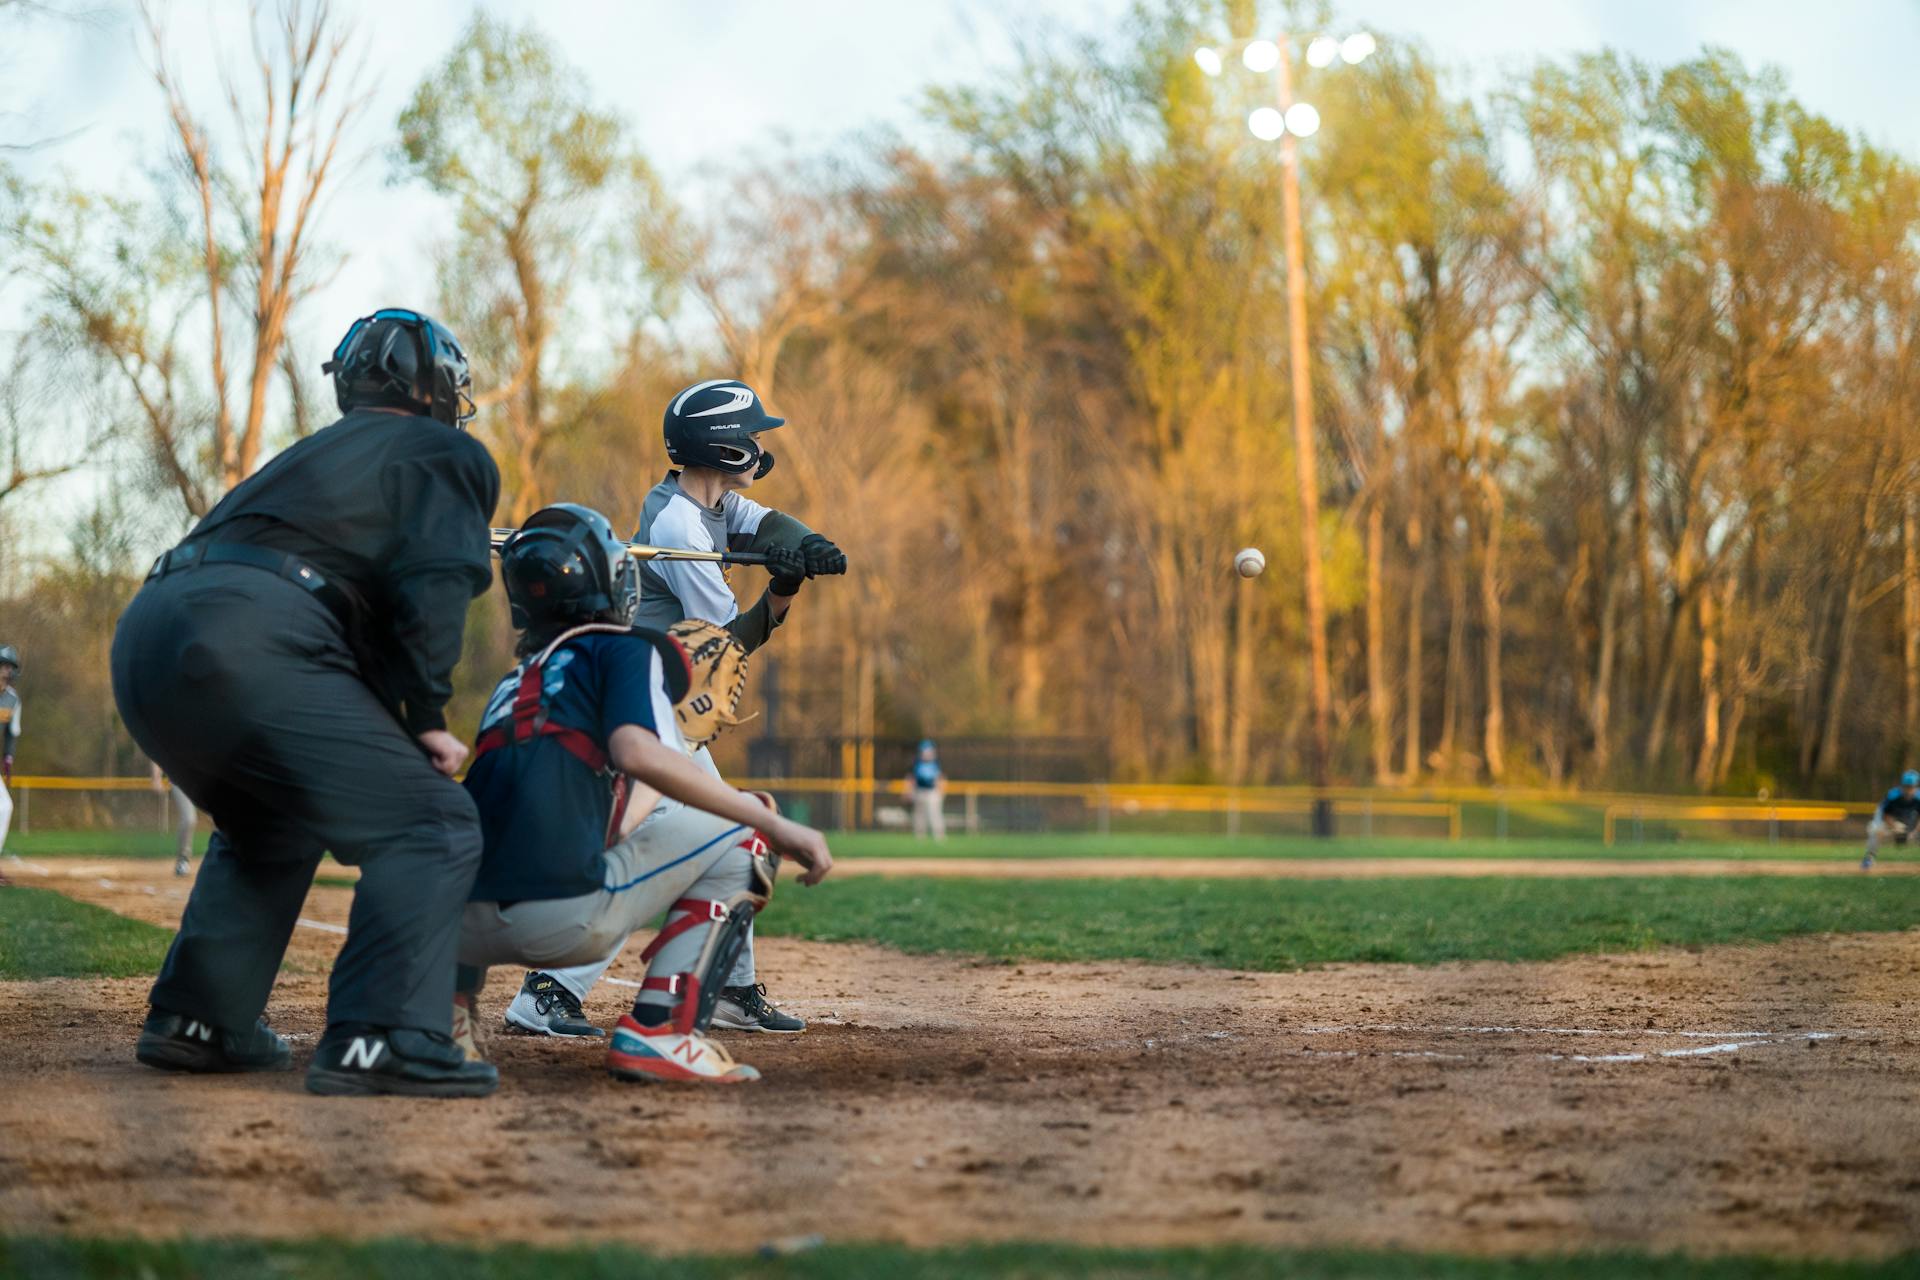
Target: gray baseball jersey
x=674, y=589
x=9, y=718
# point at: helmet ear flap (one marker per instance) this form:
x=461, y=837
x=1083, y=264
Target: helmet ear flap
x=764, y=465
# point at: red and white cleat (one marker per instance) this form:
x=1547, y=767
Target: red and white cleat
x=661, y=1053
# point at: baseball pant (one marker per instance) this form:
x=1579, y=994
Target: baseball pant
x=580, y=979
x=6, y=815
x=1879, y=829
x=241, y=686
x=675, y=853
x=929, y=815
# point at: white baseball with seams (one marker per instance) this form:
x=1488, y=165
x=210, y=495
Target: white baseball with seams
x=1249, y=563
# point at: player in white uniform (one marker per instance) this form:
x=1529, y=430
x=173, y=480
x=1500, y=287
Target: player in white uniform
x=9, y=736
x=711, y=431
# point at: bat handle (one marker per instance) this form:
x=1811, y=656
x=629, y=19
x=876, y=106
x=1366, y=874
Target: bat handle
x=746, y=557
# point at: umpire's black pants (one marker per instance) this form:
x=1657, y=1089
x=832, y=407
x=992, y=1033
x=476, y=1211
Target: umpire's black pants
x=241, y=686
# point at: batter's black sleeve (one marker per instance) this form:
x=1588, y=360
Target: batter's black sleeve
x=777, y=529
x=441, y=495
x=756, y=626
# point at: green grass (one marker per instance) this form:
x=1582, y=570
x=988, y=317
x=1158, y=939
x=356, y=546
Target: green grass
x=891, y=844
x=1287, y=924
x=46, y=935
x=1121, y=844
x=98, y=844
x=394, y=1260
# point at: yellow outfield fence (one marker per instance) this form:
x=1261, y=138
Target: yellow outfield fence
x=868, y=802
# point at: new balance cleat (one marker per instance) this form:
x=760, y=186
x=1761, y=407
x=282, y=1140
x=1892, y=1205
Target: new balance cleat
x=175, y=1042
x=748, y=1009
x=660, y=1053
x=545, y=1007
x=466, y=1027
x=358, y=1061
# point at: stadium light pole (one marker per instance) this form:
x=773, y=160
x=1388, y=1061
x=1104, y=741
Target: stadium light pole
x=1287, y=122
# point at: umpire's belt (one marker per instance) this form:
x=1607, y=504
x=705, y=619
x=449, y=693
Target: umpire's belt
x=280, y=563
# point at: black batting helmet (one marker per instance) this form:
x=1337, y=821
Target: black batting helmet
x=567, y=565
x=400, y=359
x=713, y=424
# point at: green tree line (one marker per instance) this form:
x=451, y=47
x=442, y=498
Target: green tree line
x=1614, y=368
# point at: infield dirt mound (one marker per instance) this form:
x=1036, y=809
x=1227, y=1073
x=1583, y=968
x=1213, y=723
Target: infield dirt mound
x=1738, y=1099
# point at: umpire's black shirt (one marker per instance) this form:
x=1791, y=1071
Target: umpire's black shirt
x=394, y=509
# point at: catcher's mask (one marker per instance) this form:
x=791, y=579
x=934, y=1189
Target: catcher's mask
x=566, y=564
x=716, y=424
x=401, y=359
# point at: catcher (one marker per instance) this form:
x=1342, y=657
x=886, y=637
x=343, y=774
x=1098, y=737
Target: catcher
x=1898, y=816
x=577, y=746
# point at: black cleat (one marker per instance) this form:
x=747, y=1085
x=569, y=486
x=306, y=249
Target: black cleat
x=545, y=1007
x=355, y=1060
x=175, y=1042
x=748, y=1009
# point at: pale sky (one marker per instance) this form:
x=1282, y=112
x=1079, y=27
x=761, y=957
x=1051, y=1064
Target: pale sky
x=708, y=84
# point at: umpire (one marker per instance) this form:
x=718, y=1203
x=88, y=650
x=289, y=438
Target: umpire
x=288, y=664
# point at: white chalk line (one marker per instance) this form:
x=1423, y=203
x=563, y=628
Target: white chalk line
x=1726, y=1041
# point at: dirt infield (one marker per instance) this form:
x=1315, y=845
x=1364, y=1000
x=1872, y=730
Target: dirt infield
x=1739, y=1099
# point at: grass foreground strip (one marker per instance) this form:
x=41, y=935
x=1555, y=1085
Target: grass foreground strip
x=48, y=1259
x=1086, y=844
x=44, y=934
x=1290, y=924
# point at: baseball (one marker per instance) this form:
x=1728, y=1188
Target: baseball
x=1248, y=562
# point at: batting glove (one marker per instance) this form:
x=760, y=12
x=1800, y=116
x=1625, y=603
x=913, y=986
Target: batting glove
x=789, y=570
x=823, y=558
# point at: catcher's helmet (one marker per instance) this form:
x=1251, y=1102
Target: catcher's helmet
x=9, y=656
x=566, y=564
x=713, y=424
x=1908, y=779
x=400, y=359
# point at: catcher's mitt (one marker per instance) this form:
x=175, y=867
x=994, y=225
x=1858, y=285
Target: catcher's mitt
x=719, y=681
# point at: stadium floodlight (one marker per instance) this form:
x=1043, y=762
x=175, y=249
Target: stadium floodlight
x=1209, y=59
x=1302, y=121
x=1261, y=55
x=1356, y=47
x=1267, y=124
x=1322, y=51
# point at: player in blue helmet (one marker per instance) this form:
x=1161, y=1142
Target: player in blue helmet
x=928, y=787
x=1898, y=816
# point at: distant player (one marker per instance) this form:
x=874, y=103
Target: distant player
x=1898, y=816
x=185, y=818
x=928, y=787
x=711, y=431
x=9, y=738
x=558, y=883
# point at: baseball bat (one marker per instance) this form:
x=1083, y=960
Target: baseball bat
x=641, y=551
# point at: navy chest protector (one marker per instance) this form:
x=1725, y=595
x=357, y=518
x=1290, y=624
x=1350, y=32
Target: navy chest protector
x=529, y=719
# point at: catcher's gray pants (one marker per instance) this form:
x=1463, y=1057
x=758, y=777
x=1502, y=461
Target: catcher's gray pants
x=675, y=853
x=241, y=687
x=579, y=979
x=1879, y=829
x=929, y=815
